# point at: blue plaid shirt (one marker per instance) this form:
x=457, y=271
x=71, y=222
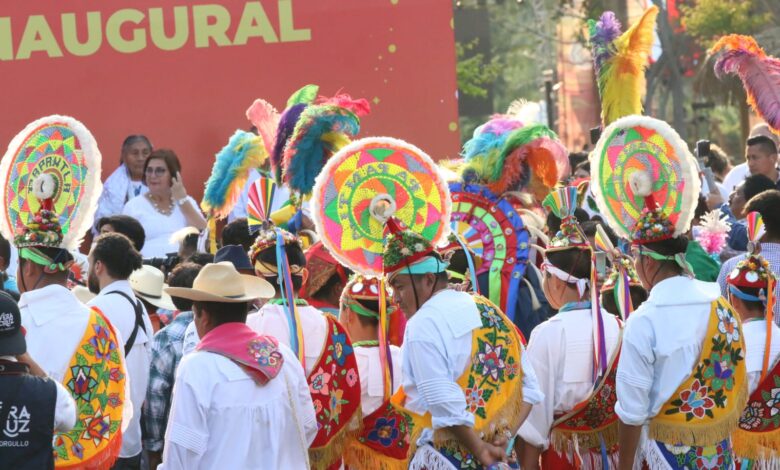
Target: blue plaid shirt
x=770, y=252
x=166, y=354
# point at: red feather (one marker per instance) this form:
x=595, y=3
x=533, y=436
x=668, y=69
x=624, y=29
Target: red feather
x=760, y=74
x=359, y=107
x=265, y=118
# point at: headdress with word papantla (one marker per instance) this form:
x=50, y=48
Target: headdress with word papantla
x=50, y=180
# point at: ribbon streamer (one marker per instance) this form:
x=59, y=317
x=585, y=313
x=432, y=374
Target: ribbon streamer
x=385, y=358
x=288, y=299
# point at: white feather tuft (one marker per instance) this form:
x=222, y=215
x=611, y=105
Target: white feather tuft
x=44, y=186
x=641, y=183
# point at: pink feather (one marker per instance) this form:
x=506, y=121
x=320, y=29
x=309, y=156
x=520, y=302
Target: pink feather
x=760, y=74
x=359, y=107
x=265, y=118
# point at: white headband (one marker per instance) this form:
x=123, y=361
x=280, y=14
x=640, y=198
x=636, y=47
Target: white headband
x=582, y=284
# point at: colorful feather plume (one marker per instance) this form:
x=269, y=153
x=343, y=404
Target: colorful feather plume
x=755, y=226
x=320, y=132
x=712, y=231
x=359, y=107
x=760, y=74
x=306, y=95
x=489, y=138
x=231, y=169
x=562, y=202
x=287, y=123
x=532, y=157
x=265, y=118
x=260, y=198
x=620, y=61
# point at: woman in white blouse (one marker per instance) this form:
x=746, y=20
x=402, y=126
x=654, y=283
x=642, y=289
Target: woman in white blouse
x=126, y=182
x=166, y=208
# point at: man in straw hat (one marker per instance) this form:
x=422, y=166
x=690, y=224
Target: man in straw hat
x=464, y=375
x=111, y=262
x=241, y=399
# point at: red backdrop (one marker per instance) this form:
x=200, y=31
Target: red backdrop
x=398, y=54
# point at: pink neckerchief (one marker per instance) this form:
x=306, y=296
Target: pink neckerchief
x=257, y=354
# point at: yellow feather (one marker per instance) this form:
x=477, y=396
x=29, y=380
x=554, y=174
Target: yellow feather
x=623, y=76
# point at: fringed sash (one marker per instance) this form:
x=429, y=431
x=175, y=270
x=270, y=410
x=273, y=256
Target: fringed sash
x=758, y=435
x=705, y=409
x=95, y=378
x=493, y=385
x=587, y=435
x=335, y=391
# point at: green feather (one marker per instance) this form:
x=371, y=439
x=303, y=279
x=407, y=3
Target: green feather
x=517, y=139
x=305, y=95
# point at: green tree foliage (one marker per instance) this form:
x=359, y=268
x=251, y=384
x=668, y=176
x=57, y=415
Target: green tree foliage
x=474, y=72
x=707, y=20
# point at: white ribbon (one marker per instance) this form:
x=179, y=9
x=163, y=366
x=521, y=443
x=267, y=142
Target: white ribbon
x=582, y=284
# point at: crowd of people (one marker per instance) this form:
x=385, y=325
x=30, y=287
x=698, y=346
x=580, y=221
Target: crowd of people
x=601, y=310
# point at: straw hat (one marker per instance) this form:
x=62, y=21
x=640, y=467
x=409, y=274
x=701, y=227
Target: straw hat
x=83, y=294
x=220, y=282
x=148, y=283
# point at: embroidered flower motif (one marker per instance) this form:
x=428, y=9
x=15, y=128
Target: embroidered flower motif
x=406, y=251
x=340, y=348
x=727, y=325
x=511, y=369
x=319, y=384
x=77, y=449
x=115, y=375
x=113, y=400
x=490, y=316
x=265, y=353
x=695, y=400
x=352, y=377
x=418, y=247
x=491, y=361
x=97, y=428
x=752, y=416
x=774, y=402
x=385, y=432
x=102, y=343
x=82, y=384
x=317, y=406
x=336, y=400
x=710, y=457
x=605, y=392
x=720, y=372
x=474, y=399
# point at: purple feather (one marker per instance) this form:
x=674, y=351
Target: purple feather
x=490, y=136
x=602, y=33
x=286, y=127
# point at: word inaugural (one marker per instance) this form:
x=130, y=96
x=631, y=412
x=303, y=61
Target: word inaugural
x=128, y=30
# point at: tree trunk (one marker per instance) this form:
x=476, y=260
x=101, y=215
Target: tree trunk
x=667, y=38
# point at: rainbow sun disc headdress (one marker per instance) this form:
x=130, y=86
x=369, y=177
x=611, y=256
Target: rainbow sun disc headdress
x=754, y=272
x=563, y=202
x=51, y=184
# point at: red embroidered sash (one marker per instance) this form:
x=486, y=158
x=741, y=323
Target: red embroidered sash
x=593, y=421
x=758, y=432
x=385, y=440
x=335, y=392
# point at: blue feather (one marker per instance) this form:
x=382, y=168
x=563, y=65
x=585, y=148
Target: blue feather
x=307, y=152
x=231, y=162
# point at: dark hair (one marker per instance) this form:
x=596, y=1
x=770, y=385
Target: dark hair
x=458, y=262
x=237, y=233
x=295, y=256
x=554, y=223
x=638, y=296
x=755, y=185
x=117, y=253
x=190, y=241
x=584, y=165
x=718, y=159
x=183, y=275
x=5, y=250
x=168, y=157
x=200, y=258
x=372, y=305
x=127, y=226
x=589, y=227
x=333, y=282
x=767, y=145
x=58, y=255
x=131, y=139
x=767, y=204
x=223, y=312
x=670, y=247
x=575, y=158
x=573, y=261
x=701, y=207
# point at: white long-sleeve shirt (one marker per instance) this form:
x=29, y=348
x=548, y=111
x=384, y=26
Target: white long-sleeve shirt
x=755, y=343
x=436, y=352
x=220, y=418
x=561, y=353
x=272, y=320
x=662, y=342
x=117, y=190
x=372, y=386
x=55, y=322
x=121, y=314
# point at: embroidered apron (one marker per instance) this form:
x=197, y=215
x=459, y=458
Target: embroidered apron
x=757, y=436
x=588, y=434
x=493, y=386
x=692, y=428
x=96, y=380
x=335, y=392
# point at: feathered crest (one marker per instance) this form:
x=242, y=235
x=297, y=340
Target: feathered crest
x=320, y=132
x=265, y=118
x=306, y=95
x=530, y=157
x=620, y=63
x=359, y=107
x=713, y=230
x=760, y=74
x=231, y=169
x=295, y=106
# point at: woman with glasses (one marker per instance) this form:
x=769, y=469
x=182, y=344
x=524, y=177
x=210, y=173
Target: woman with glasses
x=166, y=207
